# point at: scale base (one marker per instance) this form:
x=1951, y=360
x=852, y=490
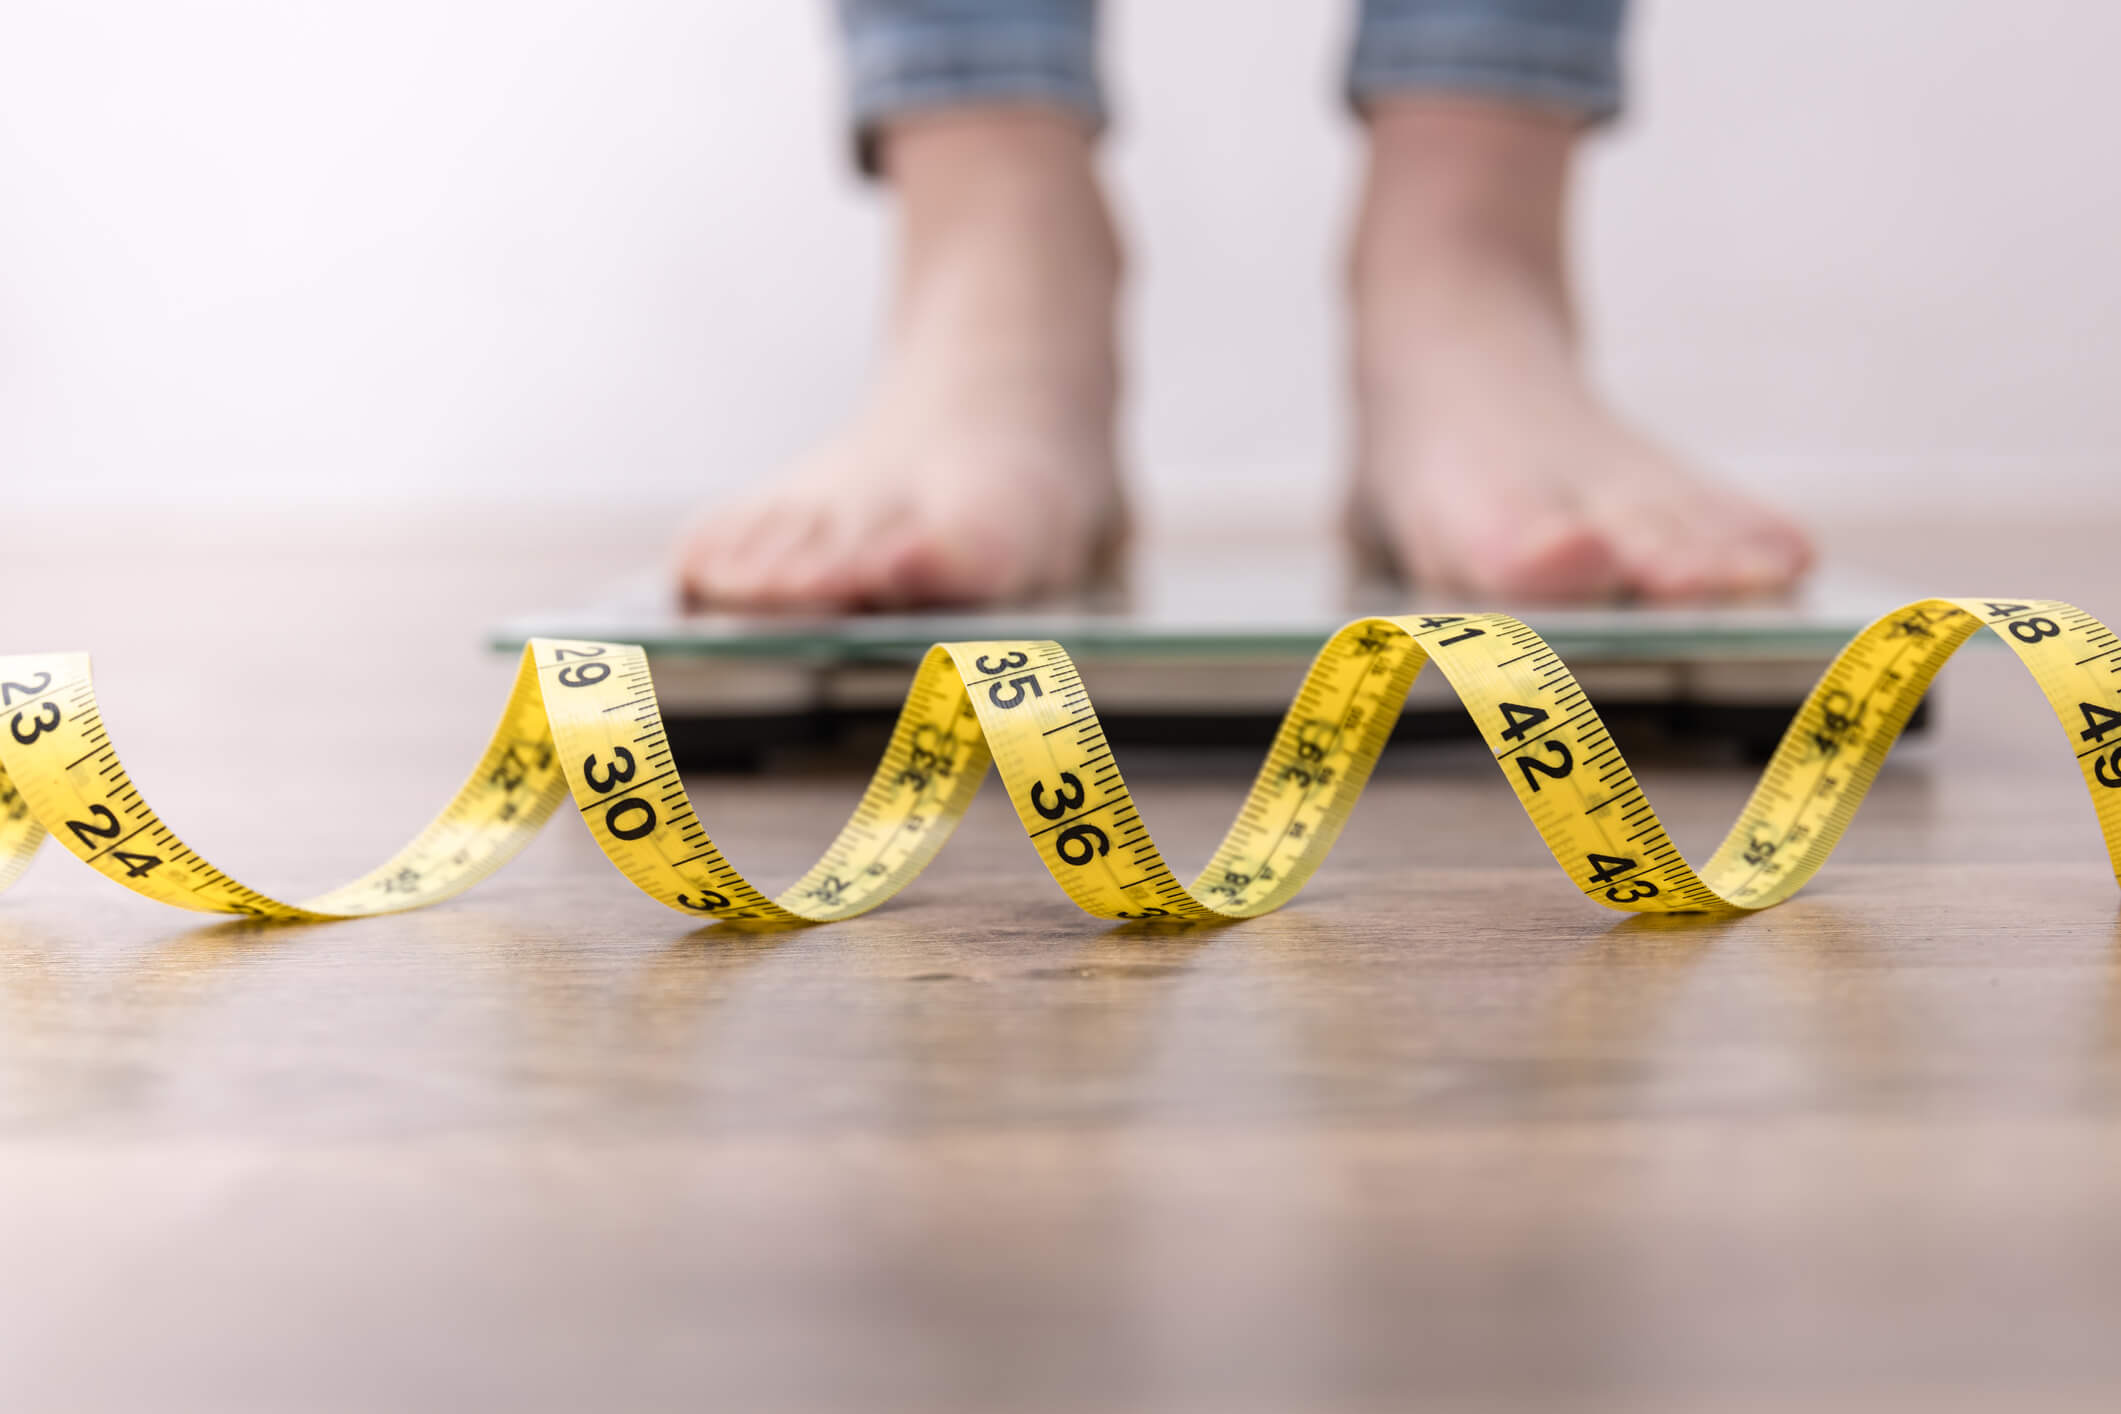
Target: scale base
x=1205, y=646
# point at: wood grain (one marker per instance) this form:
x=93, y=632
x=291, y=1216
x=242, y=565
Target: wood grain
x=1440, y=1133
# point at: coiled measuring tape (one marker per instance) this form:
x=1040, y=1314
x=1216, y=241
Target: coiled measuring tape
x=582, y=727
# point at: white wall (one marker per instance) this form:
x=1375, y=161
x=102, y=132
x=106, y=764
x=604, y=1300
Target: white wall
x=386, y=248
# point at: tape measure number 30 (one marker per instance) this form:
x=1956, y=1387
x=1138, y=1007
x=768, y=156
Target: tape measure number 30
x=582, y=728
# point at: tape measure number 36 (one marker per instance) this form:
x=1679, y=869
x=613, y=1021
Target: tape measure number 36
x=582, y=728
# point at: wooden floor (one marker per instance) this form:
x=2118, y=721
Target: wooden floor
x=1439, y=1133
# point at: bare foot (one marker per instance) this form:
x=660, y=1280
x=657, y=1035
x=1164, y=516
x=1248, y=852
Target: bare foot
x=1485, y=459
x=982, y=466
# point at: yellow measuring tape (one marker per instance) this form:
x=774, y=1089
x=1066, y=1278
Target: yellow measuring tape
x=582, y=726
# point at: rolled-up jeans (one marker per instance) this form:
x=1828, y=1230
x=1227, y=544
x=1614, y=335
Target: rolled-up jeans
x=906, y=56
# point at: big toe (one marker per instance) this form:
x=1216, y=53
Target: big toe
x=1560, y=558
x=949, y=560
x=1709, y=547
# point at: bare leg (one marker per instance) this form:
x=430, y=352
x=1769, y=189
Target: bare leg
x=982, y=465
x=1485, y=458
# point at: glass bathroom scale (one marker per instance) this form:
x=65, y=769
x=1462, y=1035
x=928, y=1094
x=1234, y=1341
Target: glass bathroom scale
x=1205, y=645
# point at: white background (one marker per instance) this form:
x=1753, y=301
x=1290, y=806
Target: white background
x=404, y=249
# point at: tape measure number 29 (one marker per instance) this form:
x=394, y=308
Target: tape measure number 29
x=582, y=727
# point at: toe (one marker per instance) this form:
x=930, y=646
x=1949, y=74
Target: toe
x=1764, y=553
x=1677, y=559
x=712, y=557
x=1781, y=545
x=1694, y=546
x=1762, y=565
x=828, y=569
x=967, y=552
x=932, y=566
x=779, y=557
x=1561, y=558
x=913, y=570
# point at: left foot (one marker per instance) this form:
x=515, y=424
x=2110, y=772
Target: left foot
x=1486, y=460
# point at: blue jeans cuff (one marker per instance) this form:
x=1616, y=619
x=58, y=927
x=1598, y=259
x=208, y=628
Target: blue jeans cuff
x=1573, y=70
x=910, y=68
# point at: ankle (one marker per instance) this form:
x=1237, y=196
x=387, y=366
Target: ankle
x=1005, y=169
x=1465, y=198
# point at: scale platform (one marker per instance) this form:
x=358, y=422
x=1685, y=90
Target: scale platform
x=1204, y=646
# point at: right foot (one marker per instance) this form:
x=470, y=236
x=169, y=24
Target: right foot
x=982, y=467
x=1488, y=462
